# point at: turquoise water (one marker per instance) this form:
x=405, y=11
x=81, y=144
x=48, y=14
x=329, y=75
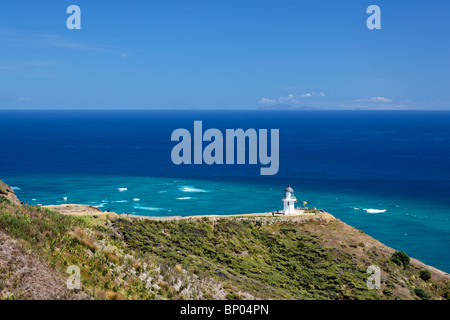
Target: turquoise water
x=386, y=173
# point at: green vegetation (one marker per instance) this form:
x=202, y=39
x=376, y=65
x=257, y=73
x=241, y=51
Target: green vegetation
x=276, y=261
x=312, y=210
x=226, y=258
x=400, y=258
x=446, y=294
x=421, y=294
x=425, y=275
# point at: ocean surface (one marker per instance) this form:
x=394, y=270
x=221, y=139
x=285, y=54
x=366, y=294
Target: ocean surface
x=386, y=173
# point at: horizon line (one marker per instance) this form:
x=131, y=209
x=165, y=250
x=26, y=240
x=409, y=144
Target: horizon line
x=236, y=109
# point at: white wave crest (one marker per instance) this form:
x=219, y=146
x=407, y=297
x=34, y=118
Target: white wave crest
x=136, y=199
x=119, y=201
x=15, y=188
x=375, y=210
x=122, y=189
x=184, y=198
x=191, y=189
x=149, y=208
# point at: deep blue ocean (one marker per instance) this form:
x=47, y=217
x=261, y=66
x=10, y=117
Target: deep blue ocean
x=386, y=173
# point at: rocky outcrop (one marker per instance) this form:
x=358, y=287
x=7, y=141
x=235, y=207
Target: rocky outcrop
x=8, y=193
x=76, y=209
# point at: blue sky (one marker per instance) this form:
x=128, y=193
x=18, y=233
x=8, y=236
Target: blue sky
x=224, y=54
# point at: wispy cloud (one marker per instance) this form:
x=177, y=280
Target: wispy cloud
x=375, y=99
x=265, y=100
x=24, y=99
x=33, y=40
x=291, y=98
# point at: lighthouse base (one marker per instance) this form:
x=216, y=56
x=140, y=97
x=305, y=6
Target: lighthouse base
x=293, y=212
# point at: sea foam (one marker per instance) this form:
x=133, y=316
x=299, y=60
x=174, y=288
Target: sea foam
x=148, y=208
x=191, y=189
x=375, y=210
x=122, y=189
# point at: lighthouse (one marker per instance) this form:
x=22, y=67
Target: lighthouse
x=289, y=201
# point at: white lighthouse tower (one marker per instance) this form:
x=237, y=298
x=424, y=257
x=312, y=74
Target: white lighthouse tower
x=289, y=201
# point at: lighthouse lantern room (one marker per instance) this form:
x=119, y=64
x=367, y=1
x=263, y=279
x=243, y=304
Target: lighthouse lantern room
x=289, y=201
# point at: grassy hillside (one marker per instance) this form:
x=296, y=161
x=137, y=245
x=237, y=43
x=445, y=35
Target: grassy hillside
x=208, y=258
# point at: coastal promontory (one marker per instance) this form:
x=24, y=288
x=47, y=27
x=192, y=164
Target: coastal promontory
x=255, y=256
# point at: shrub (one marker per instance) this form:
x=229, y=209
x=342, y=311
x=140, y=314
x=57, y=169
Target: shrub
x=82, y=237
x=178, y=269
x=421, y=294
x=387, y=292
x=4, y=200
x=425, y=275
x=112, y=256
x=137, y=265
x=447, y=293
x=400, y=258
x=232, y=296
x=113, y=296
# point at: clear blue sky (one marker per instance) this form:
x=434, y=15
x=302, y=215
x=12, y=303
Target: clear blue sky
x=226, y=54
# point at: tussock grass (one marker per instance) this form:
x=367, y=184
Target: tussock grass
x=81, y=235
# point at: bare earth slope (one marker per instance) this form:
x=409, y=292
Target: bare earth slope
x=24, y=275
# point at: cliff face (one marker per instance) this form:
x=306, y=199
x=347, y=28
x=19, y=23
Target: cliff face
x=8, y=193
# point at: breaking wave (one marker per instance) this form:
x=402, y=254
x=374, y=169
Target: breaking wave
x=375, y=210
x=191, y=189
x=148, y=208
